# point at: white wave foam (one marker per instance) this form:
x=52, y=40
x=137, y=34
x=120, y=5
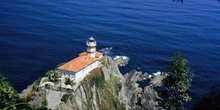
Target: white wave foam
x=123, y=57
x=152, y=74
x=106, y=48
x=157, y=73
x=107, y=51
x=147, y=75
x=139, y=71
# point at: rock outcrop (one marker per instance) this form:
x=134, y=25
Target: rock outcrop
x=26, y=91
x=136, y=97
x=107, y=88
x=131, y=95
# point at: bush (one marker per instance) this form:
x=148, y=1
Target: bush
x=48, y=73
x=44, y=103
x=37, y=82
x=68, y=81
x=65, y=97
x=53, y=75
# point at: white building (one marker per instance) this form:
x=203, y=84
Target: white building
x=79, y=67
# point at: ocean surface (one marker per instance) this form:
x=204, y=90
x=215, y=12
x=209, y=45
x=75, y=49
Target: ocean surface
x=36, y=35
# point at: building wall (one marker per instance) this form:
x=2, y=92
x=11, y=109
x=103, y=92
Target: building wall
x=81, y=73
x=66, y=73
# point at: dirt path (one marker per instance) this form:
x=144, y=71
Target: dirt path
x=53, y=98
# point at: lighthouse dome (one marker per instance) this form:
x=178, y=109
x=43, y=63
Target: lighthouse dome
x=91, y=39
x=91, y=42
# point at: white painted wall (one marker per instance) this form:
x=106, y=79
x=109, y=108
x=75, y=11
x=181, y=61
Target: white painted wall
x=81, y=73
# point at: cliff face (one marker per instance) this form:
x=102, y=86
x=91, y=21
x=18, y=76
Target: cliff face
x=136, y=97
x=99, y=90
x=107, y=88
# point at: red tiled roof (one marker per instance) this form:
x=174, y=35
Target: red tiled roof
x=83, y=54
x=78, y=63
x=97, y=54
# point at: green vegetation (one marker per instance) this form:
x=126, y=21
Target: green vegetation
x=10, y=100
x=37, y=99
x=114, y=83
x=68, y=81
x=36, y=83
x=8, y=95
x=43, y=102
x=53, y=76
x=176, y=84
x=65, y=97
x=105, y=61
x=96, y=77
x=108, y=90
x=108, y=97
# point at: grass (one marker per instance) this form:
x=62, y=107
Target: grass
x=95, y=78
x=109, y=100
x=108, y=89
x=104, y=61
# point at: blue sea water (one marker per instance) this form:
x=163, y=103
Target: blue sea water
x=36, y=35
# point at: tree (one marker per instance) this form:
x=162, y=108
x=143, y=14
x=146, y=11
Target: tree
x=65, y=97
x=9, y=98
x=53, y=75
x=8, y=95
x=176, y=84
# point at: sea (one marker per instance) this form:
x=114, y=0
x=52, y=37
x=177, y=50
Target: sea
x=37, y=35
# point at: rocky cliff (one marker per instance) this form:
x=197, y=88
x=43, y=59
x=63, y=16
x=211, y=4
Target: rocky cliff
x=107, y=88
x=98, y=90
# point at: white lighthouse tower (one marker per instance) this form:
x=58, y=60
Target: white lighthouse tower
x=91, y=49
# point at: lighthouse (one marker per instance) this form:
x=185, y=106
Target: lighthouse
x=78, y=68
x=91, y=49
